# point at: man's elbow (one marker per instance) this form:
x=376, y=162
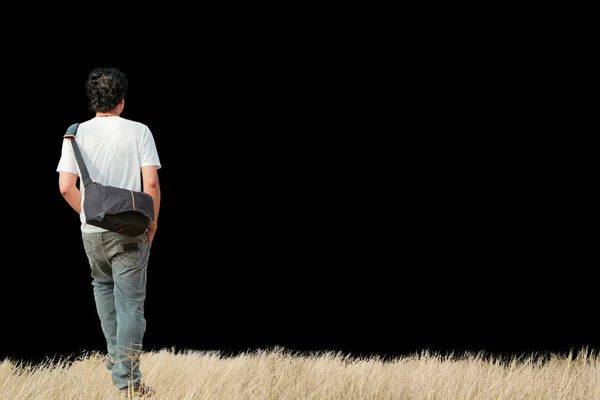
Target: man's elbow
x=67, y=182
x=64, y=189
x=151, y=184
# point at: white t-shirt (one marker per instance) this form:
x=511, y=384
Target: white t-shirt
x=114, y=150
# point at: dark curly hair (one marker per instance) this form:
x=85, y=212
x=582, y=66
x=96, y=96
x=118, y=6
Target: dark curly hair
x=105, y=88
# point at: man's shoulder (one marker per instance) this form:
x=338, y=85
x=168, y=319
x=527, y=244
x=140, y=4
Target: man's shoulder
x=134, y=123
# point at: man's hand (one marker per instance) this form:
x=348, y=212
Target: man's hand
x=151, y=233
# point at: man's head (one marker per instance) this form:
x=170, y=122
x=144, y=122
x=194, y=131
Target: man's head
x=106, y=88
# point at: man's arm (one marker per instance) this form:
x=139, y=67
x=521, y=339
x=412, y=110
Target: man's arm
x=67, y=183
x=152, y=187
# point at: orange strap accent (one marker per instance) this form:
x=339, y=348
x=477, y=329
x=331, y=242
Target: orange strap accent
x=132, y=199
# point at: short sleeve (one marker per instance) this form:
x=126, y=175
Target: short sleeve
x=67, y=162
x=148, y=152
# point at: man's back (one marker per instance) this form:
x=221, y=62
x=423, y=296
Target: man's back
x=114, y=150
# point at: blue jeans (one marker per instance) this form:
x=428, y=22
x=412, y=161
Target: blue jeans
x=119, y=267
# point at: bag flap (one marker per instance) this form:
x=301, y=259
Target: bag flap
x=114, y=200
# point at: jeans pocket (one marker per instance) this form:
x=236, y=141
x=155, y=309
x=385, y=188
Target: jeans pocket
x=132, y=255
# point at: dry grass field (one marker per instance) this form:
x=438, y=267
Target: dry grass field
x=278, y=374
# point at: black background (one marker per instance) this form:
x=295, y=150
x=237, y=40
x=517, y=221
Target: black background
x=306, y=203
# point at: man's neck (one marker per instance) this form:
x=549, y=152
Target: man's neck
x=114, y=112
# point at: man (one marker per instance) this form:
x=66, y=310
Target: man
x=116, y=152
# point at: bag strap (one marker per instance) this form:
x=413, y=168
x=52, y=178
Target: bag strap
x=85, y=175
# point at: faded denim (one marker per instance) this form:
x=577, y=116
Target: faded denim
x=119, y=271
